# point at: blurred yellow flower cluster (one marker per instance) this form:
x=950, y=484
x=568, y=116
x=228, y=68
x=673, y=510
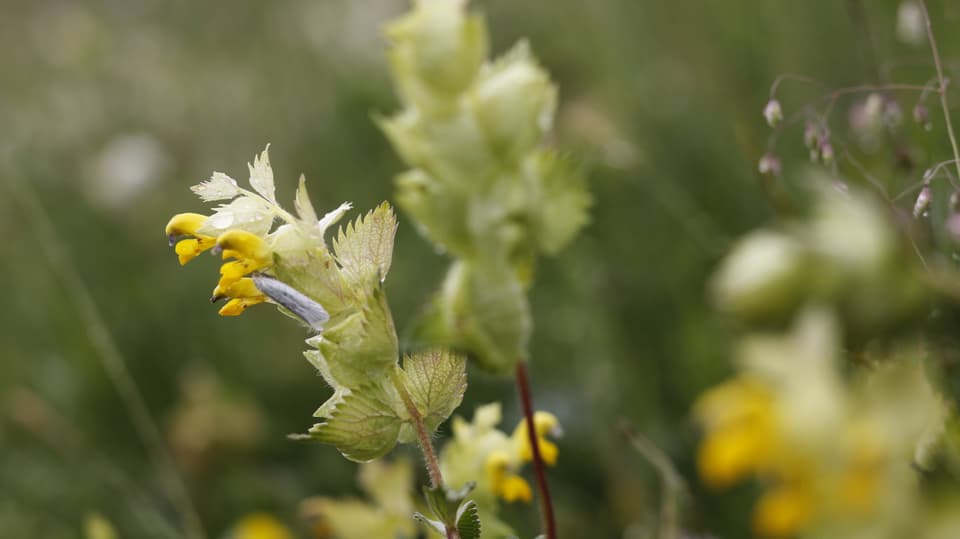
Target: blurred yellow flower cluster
x=481, y=453
x=835, y=454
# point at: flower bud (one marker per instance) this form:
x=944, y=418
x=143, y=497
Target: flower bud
x=826, y=151
x=769, y=165
x=763, y=278
x=437, y=50
x=911, y=28
x=922, y=204
x=922, y=116
x=773, y=113
x=953, y=227
x=811, y=135
x=514, y=102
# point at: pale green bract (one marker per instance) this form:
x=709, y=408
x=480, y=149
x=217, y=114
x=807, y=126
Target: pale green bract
x=481, y=186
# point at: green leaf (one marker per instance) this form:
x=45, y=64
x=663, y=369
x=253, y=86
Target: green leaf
x=563, y=203
x=364, y=426
x=431, y=524
x=261, y=175
x=485, y=310
x=468, y=520
x=437, y=209
x=303, y=205
x=218, y=187
x=361, y=346
x=364, y=248
x=436, y=381
x=446, y=504
x=441, y=506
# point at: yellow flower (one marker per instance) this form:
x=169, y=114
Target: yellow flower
x=187, y=224
x=509, y=486
x=260, y=526
x=249, y=251
x=741, y=435
x=243, y=293
x=543, y=423
x=783, y=511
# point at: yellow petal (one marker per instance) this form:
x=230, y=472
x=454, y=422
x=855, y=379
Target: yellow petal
x=189, y=249
x=241, y=244
x=783, y=511
x=242, y=288
x=236, y=306
x=543, y=423
x=261, y=526
x=513, y=488
x=727, y=455
x=548, y=450
x=231, y=272
x=185, y=224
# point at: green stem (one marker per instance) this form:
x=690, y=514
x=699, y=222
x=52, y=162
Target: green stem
x=426, y=446
x=942, y=85
x=670, y=481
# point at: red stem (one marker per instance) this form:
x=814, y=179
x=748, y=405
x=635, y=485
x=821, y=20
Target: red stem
x=546, y=504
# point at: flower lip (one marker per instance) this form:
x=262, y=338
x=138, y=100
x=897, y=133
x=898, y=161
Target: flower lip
x=184, y=224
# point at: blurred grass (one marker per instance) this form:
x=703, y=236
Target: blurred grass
x=112, y=109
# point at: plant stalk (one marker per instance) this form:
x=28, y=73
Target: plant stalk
x=539, y=469
x=941, y=83
x=426, y=445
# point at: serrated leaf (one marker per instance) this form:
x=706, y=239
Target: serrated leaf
x=364, y=248
x=244, y=213
x=362, y=346
x=562, y=209
x=431, y=524
x=302, y=203
x=218, y=187
x=468, y=520
x=261, y=175
x=436, y=381
x=440, y=505
x=362, y=427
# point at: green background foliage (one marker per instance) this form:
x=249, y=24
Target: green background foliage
x=110, y=110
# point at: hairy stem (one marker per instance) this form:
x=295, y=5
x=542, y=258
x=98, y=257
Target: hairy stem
x=426, y=445
x=539, y=469
x=942, y=83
